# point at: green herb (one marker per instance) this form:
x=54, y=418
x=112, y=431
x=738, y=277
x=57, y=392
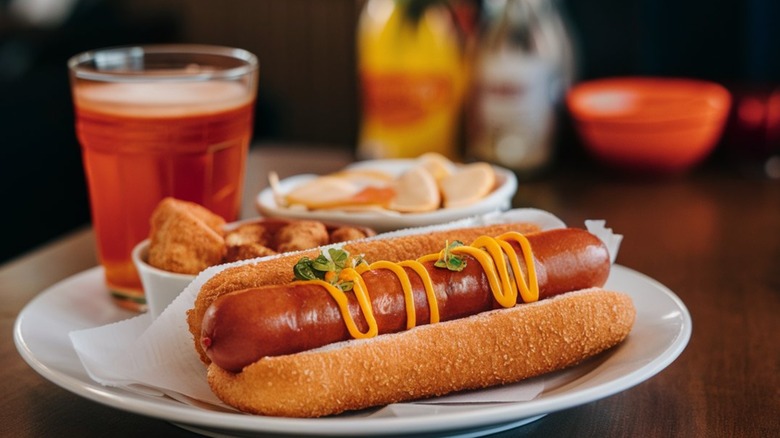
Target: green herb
x=334, y=262
x=303, y=270
x=451, y=261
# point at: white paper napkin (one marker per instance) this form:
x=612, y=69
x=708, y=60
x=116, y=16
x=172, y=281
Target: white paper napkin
x=144, y=355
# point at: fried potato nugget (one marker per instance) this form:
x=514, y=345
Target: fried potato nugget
x=185, y=237
x=248, y=241
x=301, y=235
x=345, y=234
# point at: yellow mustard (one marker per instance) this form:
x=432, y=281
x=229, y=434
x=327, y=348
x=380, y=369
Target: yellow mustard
x=492, y=253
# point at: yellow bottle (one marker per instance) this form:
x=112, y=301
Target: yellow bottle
x=411, y=73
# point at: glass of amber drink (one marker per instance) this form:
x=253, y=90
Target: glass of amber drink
x=157, y=121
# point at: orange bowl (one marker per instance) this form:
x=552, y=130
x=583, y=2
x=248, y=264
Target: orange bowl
x=654, y=124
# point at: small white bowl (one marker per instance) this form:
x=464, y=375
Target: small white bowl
x=160, y=287
x=499, y=199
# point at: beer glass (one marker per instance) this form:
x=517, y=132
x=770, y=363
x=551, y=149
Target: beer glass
x=156, y=121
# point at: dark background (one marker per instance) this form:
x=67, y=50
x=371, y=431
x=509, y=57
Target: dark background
x=307, y=75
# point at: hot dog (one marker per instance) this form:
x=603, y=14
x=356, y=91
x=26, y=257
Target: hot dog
x=278, y=270
x=285, y=319
x=264, y=342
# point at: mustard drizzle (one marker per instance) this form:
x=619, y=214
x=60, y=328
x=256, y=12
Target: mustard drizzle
x=492, y=253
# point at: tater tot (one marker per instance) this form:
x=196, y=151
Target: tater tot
x=250, y=233
x=344, y=234
x=301, y=235
x=246, y=251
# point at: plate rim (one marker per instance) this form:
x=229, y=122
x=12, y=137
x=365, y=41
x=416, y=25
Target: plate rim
x=455, y=420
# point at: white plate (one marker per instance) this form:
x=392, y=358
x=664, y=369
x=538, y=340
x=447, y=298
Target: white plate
x=661, y=332
x=500, y=199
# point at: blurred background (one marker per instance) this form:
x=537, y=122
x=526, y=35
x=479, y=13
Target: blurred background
x=308, y=81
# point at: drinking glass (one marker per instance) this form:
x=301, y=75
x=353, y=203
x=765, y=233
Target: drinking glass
x=157, y=121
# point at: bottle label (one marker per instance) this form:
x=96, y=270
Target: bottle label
x=514, y=110
x=515, y=90
x=397, y=99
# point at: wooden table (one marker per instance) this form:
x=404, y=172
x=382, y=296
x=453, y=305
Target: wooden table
x=713, y=237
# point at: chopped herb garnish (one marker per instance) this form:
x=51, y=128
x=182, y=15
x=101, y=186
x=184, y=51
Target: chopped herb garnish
x=327, y=267
x=451, y=261
x=303, y=269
